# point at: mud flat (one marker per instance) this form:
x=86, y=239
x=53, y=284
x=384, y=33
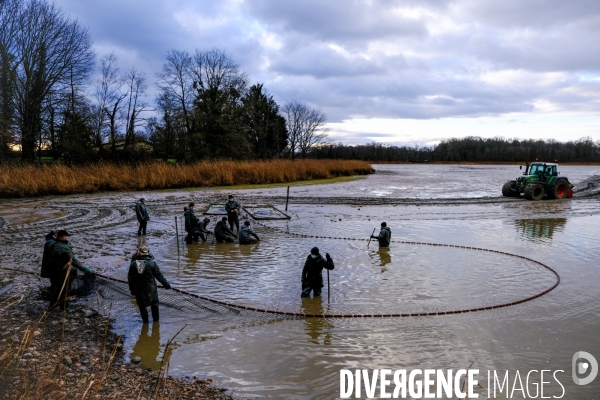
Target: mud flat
x=301, y=358
x=73, y=354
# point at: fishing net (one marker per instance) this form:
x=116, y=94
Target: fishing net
x=192, y=305
x=176, y=303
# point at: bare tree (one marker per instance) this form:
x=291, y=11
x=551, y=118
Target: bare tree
x=51, y=52
x=176, y=83
x=219, y=87
x=313, y=131
x=9, y=11
x=109, y=96
x=136, y=90
x=305, y=127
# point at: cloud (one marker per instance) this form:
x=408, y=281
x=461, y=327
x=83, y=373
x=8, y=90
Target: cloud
x=378, y=59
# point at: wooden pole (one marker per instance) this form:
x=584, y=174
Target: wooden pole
x=287, y=199
x=177, y=234
x=328, y=290
x=371, y=237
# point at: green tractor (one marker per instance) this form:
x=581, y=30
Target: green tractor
x=539, y=179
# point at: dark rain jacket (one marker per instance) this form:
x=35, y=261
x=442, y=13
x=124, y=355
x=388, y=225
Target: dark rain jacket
x=247, y=235
x=312, y=273
x=202, y=227
x=222, y=231
x=385, y=235
x=141, y=212
x=60, y=256
x=191, y=221
x=232, y=205
x=45, y=273
x=142, y=284
x=135, y=256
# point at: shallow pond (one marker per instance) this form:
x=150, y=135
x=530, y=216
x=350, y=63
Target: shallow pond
x=301, y=358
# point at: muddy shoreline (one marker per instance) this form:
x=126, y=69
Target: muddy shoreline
x=74, y=353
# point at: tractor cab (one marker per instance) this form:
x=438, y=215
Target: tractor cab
x=537, y=170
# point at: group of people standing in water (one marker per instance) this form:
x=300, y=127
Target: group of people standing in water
x=198, y=229
x=58, y=259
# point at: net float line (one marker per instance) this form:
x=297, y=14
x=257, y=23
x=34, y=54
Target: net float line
x=292, y=314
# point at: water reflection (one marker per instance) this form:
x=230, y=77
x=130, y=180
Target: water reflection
x=317, y=329
x=540, y=228
x=147, y=347
x=246, y=250
x=384, y=258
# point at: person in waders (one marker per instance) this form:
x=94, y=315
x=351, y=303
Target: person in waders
x=247, y=235
x=232, y=207
x=142, y=276
x=223, y=233
x=61, y=261
x=142, y=215
x=191, y=224
x=50, y=239
x=384, y=237
x=203, y=229
x=312, y=273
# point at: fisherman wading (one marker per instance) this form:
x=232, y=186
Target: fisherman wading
x=312, y=273
x=142, y=274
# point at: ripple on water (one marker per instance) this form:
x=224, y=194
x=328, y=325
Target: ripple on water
x=403, y=278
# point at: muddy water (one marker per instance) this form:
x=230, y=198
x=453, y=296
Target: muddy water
x=301, y=358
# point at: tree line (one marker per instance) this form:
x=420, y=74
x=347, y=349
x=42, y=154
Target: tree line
x=205, y=107
x=473, y=149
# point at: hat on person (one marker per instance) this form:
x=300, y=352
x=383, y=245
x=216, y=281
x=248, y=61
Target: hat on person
x=314, y=250
x=231, y=196
x=143, y=250
x=143, y=198
x=62, y=232
x=247, y=223
x=383, y=224
x=224, y=219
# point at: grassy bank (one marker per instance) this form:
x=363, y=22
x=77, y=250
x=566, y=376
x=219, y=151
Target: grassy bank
x=33, y=180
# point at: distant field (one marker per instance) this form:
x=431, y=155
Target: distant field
x=48, y=179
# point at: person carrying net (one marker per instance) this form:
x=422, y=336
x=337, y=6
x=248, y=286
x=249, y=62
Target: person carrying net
x=247, y=235
x=142, y=276
x=223, y=233
x=60, y=264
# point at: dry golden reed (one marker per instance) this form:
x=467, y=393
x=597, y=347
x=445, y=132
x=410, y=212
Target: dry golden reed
x=52, y=179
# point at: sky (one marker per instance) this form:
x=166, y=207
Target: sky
x=409, y=72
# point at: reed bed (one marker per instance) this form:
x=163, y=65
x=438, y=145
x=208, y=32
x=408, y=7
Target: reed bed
x=59, y=179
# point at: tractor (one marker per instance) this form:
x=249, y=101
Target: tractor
x=539, y=179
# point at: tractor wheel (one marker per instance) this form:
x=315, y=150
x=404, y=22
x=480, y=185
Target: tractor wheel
x=534, y=191
x=509, y=189
x=560, y=190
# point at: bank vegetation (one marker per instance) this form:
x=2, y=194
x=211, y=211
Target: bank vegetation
x=26, y=180
x=470, y=149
